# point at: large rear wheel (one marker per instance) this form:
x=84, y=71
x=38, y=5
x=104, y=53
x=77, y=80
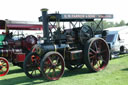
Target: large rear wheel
x=4, y=66
x=96, y=54
x=52, y=65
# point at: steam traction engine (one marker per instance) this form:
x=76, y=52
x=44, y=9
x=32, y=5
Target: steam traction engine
x=14, y=47
x=67, y=47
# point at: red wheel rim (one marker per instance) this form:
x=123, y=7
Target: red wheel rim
x=4, y=66
x=98, y=53
x=53, y=67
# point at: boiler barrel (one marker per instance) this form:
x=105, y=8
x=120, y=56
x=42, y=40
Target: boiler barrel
x=42, y=49
x=7, y=52
x=54, y=47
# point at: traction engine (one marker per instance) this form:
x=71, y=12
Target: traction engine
x=14, y=50
x=71, y=47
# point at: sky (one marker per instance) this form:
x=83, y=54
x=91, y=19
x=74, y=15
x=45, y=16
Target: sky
x=29, y=10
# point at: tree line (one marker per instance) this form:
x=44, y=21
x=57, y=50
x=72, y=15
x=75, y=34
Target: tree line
x=112, y=24
x=107, y=24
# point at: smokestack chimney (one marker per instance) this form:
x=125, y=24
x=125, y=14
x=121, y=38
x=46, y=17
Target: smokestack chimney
x=45, y=25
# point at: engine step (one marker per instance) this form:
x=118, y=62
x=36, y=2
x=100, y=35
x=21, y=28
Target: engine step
x=75, y=54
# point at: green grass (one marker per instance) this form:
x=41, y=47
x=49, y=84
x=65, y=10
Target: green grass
x=116, y=73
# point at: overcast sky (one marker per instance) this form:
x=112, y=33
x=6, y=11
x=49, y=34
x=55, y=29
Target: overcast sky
x=29, y=10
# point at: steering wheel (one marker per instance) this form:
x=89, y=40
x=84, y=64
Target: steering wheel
x=86, y=33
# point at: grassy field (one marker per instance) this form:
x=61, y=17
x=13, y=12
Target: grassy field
x=116, y=73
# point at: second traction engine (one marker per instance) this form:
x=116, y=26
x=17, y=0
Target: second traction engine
x=14, y=47
x=15, y=50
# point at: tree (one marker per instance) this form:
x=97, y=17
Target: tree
x=121, y=23
x=106, y=24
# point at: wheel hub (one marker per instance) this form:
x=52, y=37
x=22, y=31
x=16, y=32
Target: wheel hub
x=98, y=53
x=53, y=66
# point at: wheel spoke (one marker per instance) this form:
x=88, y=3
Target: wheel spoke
x=50, y=60
x=92, y=57
x=3, y=63
x=93, y=50
x=35, y=72
x=32, y=72
x=90, y=53
x=93, y=62
x=53, y=73
x=49, y=71
x=99, y=62
x=57, y=61
x=31, y=69
x=4, y=66
x=96, y=46
x=46, y=67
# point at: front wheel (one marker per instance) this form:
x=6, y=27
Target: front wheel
x=52, y=65
x=4, y=66
x=123, y=50
x=96, y=54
